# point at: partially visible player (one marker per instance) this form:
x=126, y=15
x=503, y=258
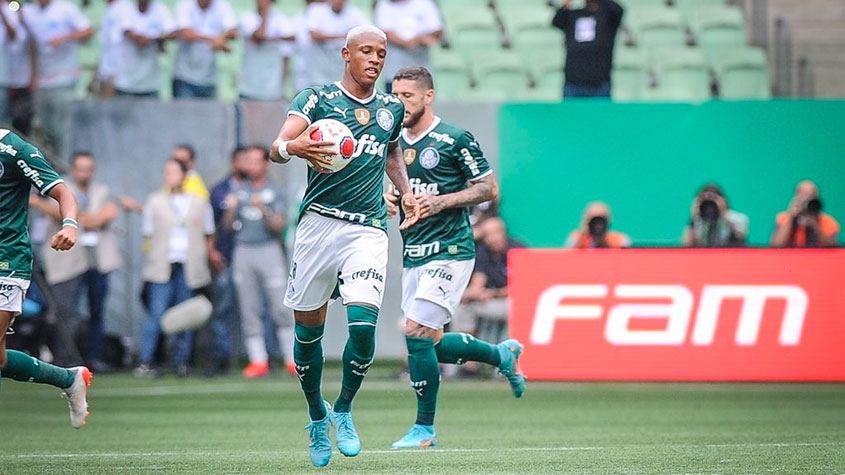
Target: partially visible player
x=448, y=173
x=21, y=167
x=341, y=239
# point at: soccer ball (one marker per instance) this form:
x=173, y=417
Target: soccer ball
x=330, y=130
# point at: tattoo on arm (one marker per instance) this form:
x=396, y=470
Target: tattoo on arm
x=396, y=169
x=480, y=191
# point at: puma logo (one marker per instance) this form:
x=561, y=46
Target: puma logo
x=340, y=111
x=445, y=294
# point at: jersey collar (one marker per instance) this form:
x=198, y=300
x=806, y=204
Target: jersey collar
x=3, y=133
x=356, y=99
x=434, y=124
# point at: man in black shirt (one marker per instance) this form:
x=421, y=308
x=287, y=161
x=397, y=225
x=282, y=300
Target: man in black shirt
x=590, y=35
x=484, y=305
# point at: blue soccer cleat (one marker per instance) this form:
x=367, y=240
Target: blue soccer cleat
x=419, y=437
x=509, y=352
x=320, y=445
x=348, y=441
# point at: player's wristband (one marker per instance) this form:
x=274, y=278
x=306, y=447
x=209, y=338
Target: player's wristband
x=70, y=222
x=283, y=151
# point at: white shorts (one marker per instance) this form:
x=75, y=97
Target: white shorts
x=12, y=294
x=441, y=282
x=328, y=252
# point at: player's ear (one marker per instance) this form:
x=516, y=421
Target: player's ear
x=344, y=53
x=429, y=96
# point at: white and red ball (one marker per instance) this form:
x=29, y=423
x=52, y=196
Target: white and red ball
x=331, y=130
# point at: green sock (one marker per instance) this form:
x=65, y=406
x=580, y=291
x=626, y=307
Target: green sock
x=425, y=377
x=458, y=348
x=308, y=357
x=26, y=369
x=358, y=354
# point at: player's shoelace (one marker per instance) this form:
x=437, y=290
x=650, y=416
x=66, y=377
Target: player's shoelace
x=318, y=434
x=345, y=424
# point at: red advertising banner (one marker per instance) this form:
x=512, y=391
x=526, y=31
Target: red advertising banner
x=679, y=314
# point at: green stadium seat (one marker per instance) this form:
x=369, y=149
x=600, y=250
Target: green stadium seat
x=717, y=26
x=630, y=77
x=519, y=17
x=451, y=73
x=682, y=75
x=484, y=95
x=742, y=73
x=472, y=29
x=547, y=39
x=631, y=5
x=500, y=70
x=686, y=6
x=656, y=27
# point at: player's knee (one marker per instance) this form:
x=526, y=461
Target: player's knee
x=2, y=356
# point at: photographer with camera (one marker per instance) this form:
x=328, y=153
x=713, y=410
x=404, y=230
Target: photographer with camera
x=713, y=223
x=595, y=230
x=804, y=224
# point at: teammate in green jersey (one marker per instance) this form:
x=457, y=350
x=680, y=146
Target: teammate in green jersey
x=448, y=172
x=21, y=167
x=341, y=241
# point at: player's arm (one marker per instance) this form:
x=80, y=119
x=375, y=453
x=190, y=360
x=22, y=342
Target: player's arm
x=66, y=237
x=398, y=174
x=294, y=140
x=479, y=191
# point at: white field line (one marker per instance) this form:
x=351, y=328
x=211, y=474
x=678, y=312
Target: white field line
x=426, y=451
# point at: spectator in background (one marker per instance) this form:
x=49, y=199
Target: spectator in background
x=57, y=27
x=255, y=214
x=264, y=31
x=111, y=36
x=713, y=223
x=804, y=224
x=145, y=28
x=16, y=83
x=225, y=297
x=328, y=24
x=179, y=227
x=412, y=28
x=484, y=306
x=204, y=28
x=590, y=36
x=85, y=268
x=303, y=46
x=187, y=156
x=595, y=230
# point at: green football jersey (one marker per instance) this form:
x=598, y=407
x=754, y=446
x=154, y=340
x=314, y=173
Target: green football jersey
x=21, y=167
x=440, y=161
x=354, y=193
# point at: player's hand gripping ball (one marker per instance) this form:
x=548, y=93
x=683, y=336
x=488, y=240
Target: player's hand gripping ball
x=330, y=130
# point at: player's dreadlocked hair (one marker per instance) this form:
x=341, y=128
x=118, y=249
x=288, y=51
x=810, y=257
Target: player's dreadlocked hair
x=416, y=73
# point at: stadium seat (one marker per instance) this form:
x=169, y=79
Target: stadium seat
x=535, y=94
x=484, y=95
x=472, y=29
x=682, y=75
x=500, y=70
x=717, y=26
x=548, y=39
x=657, y=27
x=451, y=73
x=631, y=5
x=686, y=6
x=517, y=17
x=630, y=77
x=742, y=73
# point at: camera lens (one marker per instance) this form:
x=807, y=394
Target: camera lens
x=708, y=210
x=597, y=226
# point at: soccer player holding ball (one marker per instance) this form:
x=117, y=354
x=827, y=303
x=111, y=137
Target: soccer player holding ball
x=448, y=172
x=341, y=238
x=21, y=167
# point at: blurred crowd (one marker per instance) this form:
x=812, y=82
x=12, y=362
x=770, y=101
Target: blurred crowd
x=217, y=255
x=40, y=66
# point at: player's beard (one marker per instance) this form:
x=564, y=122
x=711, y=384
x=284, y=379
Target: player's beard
x=413, y=119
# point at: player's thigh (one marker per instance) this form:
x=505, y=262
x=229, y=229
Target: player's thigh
x=362, y=253
x=410, y=279
x=444, y=282
x=314, y=264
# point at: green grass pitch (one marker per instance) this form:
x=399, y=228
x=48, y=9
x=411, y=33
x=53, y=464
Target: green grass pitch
x=230, y=425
